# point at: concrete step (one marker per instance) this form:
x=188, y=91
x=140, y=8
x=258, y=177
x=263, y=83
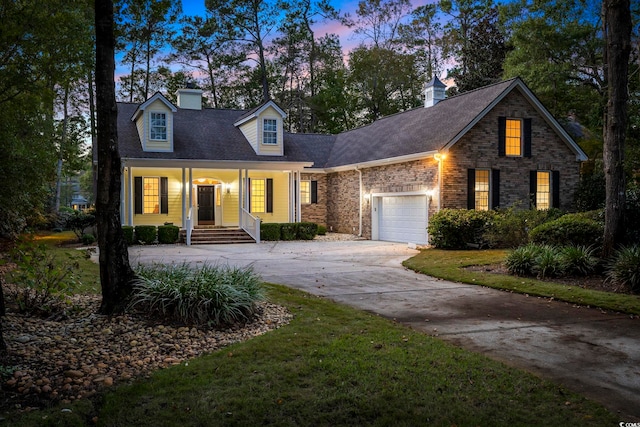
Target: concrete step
x=217, y=236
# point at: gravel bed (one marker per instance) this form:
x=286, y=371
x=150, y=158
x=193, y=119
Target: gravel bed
x=76, y=357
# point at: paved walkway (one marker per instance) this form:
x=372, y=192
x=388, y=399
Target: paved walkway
x=596, y=354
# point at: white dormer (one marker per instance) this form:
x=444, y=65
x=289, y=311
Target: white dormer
x=263, y=128
x=154, y=121
x=434, y=92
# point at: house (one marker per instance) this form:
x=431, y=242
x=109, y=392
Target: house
x=487, y=148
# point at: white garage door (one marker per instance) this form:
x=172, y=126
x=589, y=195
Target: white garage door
x=403, y=219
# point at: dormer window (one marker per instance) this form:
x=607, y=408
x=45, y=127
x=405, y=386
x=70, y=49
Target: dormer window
x=158, y=126
x=270, y=131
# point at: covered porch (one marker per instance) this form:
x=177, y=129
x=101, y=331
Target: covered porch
x=210, y=194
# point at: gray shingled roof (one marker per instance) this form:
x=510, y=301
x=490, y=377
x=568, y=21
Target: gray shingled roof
x=210, y=134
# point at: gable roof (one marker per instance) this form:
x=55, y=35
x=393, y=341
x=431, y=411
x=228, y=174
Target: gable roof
x=145, y=104
x=213, y=135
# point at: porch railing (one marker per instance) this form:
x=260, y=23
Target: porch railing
x=251, y=225
x=189, y=226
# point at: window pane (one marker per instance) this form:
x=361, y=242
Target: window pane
x=513, y=135
x=543, y=190
x=151, y=195
x=482, y=190
x=305, y=192
x=270, y=131
x=258, y=195
x=158, y=126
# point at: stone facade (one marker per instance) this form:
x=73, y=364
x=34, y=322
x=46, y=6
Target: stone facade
x=343, y=210
x=316, y=212
x=478, y=148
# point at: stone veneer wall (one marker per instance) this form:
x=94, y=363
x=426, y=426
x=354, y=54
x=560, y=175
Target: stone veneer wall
x=479, y=149
x=316, y=212
x=343, y=191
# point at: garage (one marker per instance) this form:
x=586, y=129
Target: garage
x=401, y=218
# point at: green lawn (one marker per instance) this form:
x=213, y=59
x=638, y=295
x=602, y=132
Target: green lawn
x=450, y=265
x=334, y=365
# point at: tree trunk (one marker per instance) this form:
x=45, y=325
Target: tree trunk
x=115, y=272
x=3, y=345
x=617, y=18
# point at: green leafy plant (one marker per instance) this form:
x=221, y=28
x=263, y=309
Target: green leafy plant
x=42, y=283
x=459, y=228
x=208, y=295
x=578, y=260
x=146, y=234
x=88, y=239
x=270, y=231
x=128, y=232
x=168, y=234
x=79, y=221
x=624, y=268
x=522, y=260
x=510, y=227
x=571, y=229
x=322, y=230
x=288, y=231
x=548, y=262
x=306, y=230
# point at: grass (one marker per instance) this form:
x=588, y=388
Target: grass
x=449, y=265
x=334, y=366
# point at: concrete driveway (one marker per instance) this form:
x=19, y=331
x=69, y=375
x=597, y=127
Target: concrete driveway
x=594, y=353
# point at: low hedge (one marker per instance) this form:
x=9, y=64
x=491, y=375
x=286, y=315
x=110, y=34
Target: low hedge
x=571, y=229
x=168, y=234
x=146, y=234
x=288, y=231
x=129, y=235
x=459, y=228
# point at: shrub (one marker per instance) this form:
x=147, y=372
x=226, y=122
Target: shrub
x=322, y=230
x=570, y=229
x=88, y=239
x=288, y=231
x=522, y=260
x=632, y=215
x=270, y=232
x=578, y=260
x=79, y=221
x=624, y=268
x=306, y=230
x=127, y=230
x=207, y=295
x=43, y=283
x=146, y=234
x=548, y=262
x=459, y=228
x=168, y=234
x=510, y=227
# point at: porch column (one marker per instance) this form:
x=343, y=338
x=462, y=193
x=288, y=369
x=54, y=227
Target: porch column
x=184, y=199
x=240, y=199
x=246, y=190
x=298, y=201
x=130, y=204
x=191, y=193
x=122, y=187
x=292, y=198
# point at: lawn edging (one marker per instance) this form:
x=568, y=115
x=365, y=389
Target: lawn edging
x=450, y=265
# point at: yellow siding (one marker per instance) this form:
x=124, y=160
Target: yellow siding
x=280, y=196
x=175, y=197
x=158, y=106
x=270, y=149
x=250, y=131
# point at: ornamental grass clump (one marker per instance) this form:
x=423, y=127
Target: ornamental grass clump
x=207, y=295
x=578, y=260
x=624, y=269
x=522, y=260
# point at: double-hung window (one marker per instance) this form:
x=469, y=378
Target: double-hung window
x=513, y=138
x=305, y=192
x=151, y=195
x=543, y=190
x=158, y=126
x=482, y=189
x=258, y=196
x=270, y=131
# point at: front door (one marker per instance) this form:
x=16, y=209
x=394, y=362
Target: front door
x=206, y=205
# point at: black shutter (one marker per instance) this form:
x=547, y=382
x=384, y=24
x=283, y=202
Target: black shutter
x=164, y=195
x=314, y=191
x=555, y=183
x=527, y=137
x=502, y=130
x=471, y=188
x=138, y=194
x=495, y=188
x=269, y=195
x=533, y=188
